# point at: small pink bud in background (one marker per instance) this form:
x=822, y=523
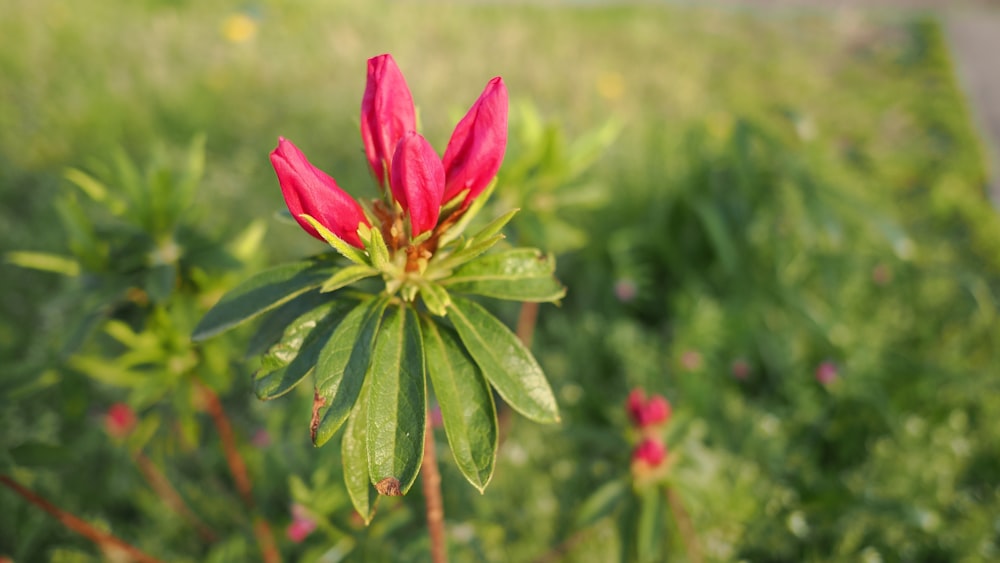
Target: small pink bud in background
x=740, y=369
x=626, y=290
x=435, y=415
x=691, y=360
x=826, y=373
x=645, y=413
x=650, y=451
x=261, y=438
x=119, y=420
x=302, y=524
x=881, y=274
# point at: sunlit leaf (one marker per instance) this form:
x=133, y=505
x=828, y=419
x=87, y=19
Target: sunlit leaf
x=354, y=452
x=520, y=274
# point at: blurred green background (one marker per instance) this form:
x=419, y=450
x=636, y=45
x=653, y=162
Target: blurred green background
x=785, y=189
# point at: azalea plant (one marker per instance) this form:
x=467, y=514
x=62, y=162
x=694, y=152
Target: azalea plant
x=393, y=306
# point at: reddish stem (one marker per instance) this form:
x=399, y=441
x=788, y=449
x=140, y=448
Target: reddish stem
x=684, y=525
x=104, y=540
x=238, y=469
x=526, y=322
x=169, y=495
x=431, y=479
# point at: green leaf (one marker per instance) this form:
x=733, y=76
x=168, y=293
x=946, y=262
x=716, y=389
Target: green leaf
x=272, y=327
x=346, y=276
x=397, y=416
x=260, y=294
x=435, y=297
x=377, y=250
x=295, y=355
x=354, y=452
x=494, y=226
x=467, y=252
x=505, y=362
x=342, y=367
x=519, y=274
x=347, y=251
x=651, y=525
x=601, y=503
x=466, y=402
x=45, y=262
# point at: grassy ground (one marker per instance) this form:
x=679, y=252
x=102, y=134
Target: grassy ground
x=741, y=113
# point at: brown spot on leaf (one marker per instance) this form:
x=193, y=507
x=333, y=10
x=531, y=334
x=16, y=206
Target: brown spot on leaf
x=318, y=403
x=389, y=487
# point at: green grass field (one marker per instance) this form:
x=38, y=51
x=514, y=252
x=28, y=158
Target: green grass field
x=784, y=190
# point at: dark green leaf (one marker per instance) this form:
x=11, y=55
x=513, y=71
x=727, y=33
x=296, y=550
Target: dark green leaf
x=273, y=325
x=354, y=452
x=295, y=355
x=601, y=502
x=467, y=409
x=262, y=293
x=505, y=362
x=520, y=274
x=37, y=454
x=396, y=403
x=343, y=363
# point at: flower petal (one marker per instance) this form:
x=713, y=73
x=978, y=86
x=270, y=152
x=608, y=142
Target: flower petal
x=386, y=114
x=418, y=181
x=477, y=146
x=309, y=190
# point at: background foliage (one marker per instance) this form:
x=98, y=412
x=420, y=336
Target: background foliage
x=772, y=193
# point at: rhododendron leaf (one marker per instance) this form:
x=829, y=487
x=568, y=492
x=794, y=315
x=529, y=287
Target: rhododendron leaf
x=396, y=403
x=260, y=294
x=466, y=402
x=519, y=274
x=601, y=503
x=504, y=361
x=435, y=298
x=294, y=356
x=377, y=250
x=346, y=276
x=354, y=453
x=471, y=213
x=272, y=327
x=469, y=251
x=650, y=526
x=346, y=250
x=494, y=226
x=343, y=363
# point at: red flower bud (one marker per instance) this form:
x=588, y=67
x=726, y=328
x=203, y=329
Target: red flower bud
x=477, y=146
x=417, y=181
x=309, y=190
x=650, y=451
x=645, y=413
x=826, y=373
x=119, y=420
x=386, y=114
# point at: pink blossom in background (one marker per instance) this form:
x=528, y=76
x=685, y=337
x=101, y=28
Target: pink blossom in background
x=261, y=438
x=302, y=524
x=435, y=416
x=691, y=360
x=740, y=369
x=647, y=412
x=826, y=373
x=650, y=451
x=626, y=290
x=119, y=420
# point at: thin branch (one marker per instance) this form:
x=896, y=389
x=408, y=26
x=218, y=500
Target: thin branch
x=169, y=495
x=684, y=525
x=431, y=479
x=526, y=322
x=238, y=469
x=104, y=540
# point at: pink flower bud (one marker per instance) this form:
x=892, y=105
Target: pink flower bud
x=302, y=524
x=645, y=413
x=309, y=190
x=386, y=114
x=417, y=181
x=650, y=451
x=119, y=420
x=634, y=404
x=477, y=146
x=826, y=373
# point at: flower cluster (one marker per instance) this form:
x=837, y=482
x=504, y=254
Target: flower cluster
x=422, y=194
x=119, y=420
x=648, y=415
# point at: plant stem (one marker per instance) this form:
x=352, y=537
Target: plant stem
x=238, y=469
x=104, y=540
x=431, y=479
x=684, y=525
x=169, y=495
x=526, y=322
